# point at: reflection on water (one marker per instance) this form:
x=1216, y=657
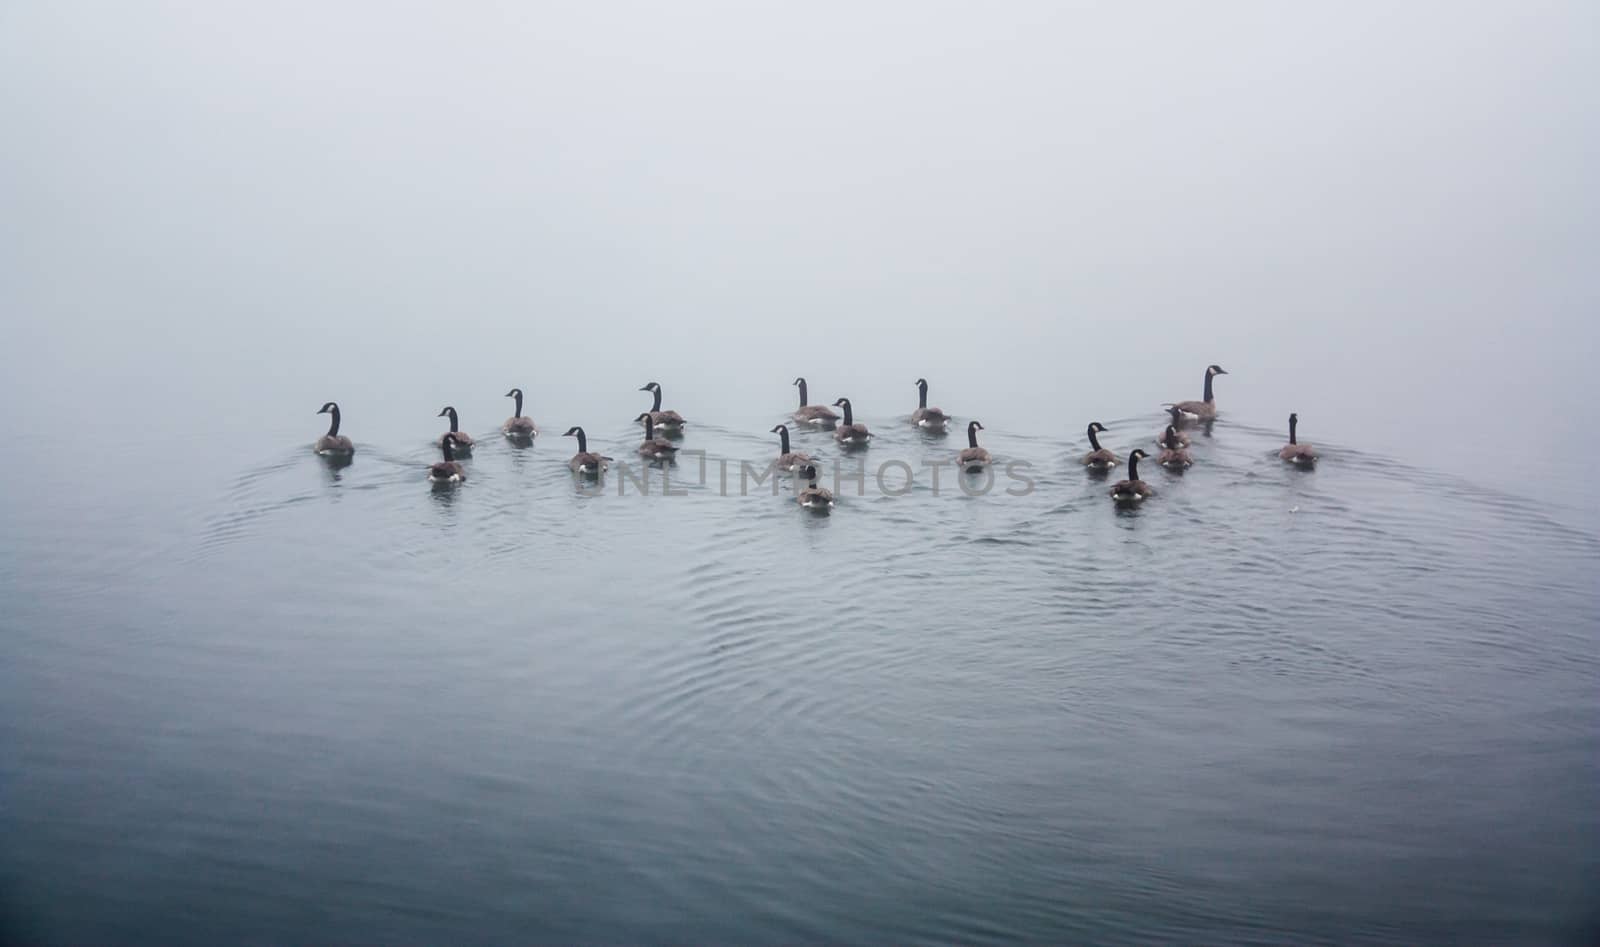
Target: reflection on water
x=1270, y=704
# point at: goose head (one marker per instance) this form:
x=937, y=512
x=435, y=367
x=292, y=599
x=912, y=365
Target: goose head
x=514, y=393
x=651, y=387
x=1215, y=370
x=328, y=408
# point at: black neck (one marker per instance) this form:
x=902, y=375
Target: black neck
x=518, y=397
x=1133, y=467
x=583, y=442
x=1209, y=376
x=448, y=445
x=847, y=417
x=922, y=396
x=649, y=428
x=1094, y=441
x=783, y=440
x=657, y=404
x=455, y=423
x=333, y=425
x=1292, y=422
x=802, y=384
x=972, y=434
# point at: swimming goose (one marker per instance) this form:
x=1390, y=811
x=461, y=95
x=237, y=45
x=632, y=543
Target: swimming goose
x=333, y=442
x=789, y=460
x=811, y=496
x=1206, y=408
x=926, y=417
x=585, y=461
x=1172, y=438
x=973, y=457
x=850, y=433
x=1132, y=490
x=463, y=440
x=447, y=470
x=518, y=426
x=653, y=448
x=666, y=420
x=1294, y=452
x=1175, y=458
x=1099, y=458
x=817, y=414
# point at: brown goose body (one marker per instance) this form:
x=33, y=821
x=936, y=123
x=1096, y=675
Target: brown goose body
x=1294, y=452
x=1099, y=458
x=1206, y=408
x=813, y=414
x=333, y=443
x=447, y=470
x=1132, y=490
x=973, y=457
x=848, y=432
x=463, y=440
x=1175, y=459
x=811, y=496
x=788, y=460
x=585, y=461
x=670, y=421
x=933, y=419
x=654, y=448
x=518, y=426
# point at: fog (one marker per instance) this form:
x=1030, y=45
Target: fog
x=214, y=216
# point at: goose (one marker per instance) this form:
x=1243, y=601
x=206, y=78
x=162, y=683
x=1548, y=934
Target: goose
x=518, y=426
x=463, y=439
x=850, y=433
x=653, y=448
x=333, y=442
x=788, y=459
x=447, y=470
x=817, y=414
x=1206, y=408
x=1172, y=438
x=1100, y=458
x=1132, y=490
x=1175, y=458
x=931, y=418
x=973, y=457
x=585, y=461
x=1303, y=455
x=666, y=420
x=811, y=496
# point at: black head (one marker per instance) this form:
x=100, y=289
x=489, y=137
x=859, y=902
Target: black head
x=1175, y=411
x=1216, y=370
x=328, y=408
x=514, y=393
x=1294, y=418
x=781, y=429
x=976, y=426
x=643, y=416
x=798, y=381
x=1172, y=432
x=652, y=386
x=573, y=432
x=445, y=412
x=449, y=440
x=842, y=403
x=922, y=382
x=1097, y=427
x=1137, y=454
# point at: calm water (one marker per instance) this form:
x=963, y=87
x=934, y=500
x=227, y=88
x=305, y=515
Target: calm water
x=247, y=697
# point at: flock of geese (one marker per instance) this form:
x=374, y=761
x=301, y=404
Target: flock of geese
x=660, y=426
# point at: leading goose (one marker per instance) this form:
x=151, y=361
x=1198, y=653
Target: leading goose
x=973, y=457
x=1132, y=490
x=925, y=417
x=1303, y=455
x=1206, y=408
x=818, y=414
x=850, y=433
x=811, y=496
x=463, y=439
x=585, y=461
x=447, y=470
x=670, y=421
x=518, y=426
x=788, y=460
x=1100, y=458
x=653, y=448
x=333, y=443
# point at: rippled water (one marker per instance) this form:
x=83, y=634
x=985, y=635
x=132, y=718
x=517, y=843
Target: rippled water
x=249, y=697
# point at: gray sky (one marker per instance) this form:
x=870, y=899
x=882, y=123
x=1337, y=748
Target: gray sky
x=1038, y=204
